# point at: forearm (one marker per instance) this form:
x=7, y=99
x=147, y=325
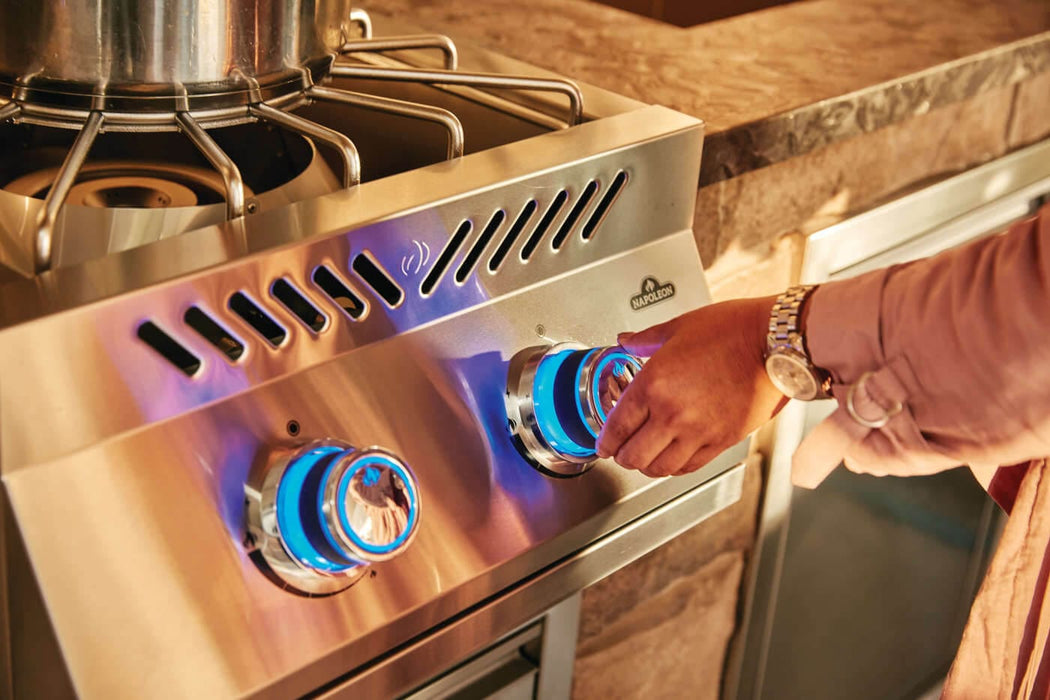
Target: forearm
x=967, y=334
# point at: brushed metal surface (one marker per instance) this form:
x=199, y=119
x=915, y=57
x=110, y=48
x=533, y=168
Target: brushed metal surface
x=148, y=535
x=142, y=49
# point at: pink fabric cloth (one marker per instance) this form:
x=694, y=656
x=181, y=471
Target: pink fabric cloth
x=955, y=351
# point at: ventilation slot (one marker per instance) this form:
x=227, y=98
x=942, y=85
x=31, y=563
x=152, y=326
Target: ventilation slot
x=434, y=276
x=338, y=292
x=603, y=205
x=479, y=246
x=215, y=334
x=570, y=221
x=515, y=230
x=378, y=279
x=257, y=319
x=299, y=305
x=545, y=223
x=169, y=348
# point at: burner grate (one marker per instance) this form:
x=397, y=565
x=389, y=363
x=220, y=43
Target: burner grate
x=265, y=106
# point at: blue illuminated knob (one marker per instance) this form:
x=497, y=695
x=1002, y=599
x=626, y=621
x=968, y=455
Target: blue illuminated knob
x=327, y=510
x=559, y=397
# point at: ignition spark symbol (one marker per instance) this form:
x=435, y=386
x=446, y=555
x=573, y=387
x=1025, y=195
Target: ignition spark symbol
x=412, y=264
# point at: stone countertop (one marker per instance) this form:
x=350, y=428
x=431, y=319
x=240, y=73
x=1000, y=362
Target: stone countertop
x=772, y=84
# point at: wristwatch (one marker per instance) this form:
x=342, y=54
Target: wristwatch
x=787, y=361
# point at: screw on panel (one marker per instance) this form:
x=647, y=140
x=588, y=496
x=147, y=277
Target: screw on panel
x=293, y=427
x=540, y=330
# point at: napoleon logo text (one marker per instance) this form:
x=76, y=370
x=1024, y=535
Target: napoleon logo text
x=652, y=292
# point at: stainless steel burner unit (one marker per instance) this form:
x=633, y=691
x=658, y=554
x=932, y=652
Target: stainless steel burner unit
x=276, y=455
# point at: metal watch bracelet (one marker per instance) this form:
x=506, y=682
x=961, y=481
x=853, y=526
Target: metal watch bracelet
x=783, y=318
x=784, y=331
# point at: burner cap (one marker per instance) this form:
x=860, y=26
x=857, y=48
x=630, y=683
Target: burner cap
x=129, y=184
x=132, y=192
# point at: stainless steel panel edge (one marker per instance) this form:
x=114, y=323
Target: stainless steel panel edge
x=134, y=387
x=746, y=660
x=517, y=607
x=544, y=671
x=561, y=631
x=987, y=218
x=463, y=678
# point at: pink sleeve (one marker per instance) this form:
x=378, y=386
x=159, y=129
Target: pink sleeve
x=960, y=342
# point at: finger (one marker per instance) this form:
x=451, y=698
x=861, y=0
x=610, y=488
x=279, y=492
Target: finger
x=644, y=446
x=673, y=458
x=701, y=458
x=645, y=343
x=629, y=414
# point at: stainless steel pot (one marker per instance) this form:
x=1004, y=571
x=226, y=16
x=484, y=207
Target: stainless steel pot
x=148, y=50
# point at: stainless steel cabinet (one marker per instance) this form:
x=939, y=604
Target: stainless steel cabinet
x=861, y=587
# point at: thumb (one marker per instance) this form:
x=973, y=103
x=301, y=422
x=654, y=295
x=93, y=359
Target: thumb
x=645, y=343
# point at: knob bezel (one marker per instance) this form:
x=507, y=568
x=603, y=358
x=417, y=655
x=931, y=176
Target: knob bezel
x=546, y=450
x=520, y=401
x=270, y=546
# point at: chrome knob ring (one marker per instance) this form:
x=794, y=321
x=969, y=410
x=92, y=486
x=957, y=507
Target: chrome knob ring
x=372, y=505
x=603, y=377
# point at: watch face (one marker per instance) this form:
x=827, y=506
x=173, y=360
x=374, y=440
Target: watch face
x=791, y=375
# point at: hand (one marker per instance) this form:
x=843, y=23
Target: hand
x=704, y=390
